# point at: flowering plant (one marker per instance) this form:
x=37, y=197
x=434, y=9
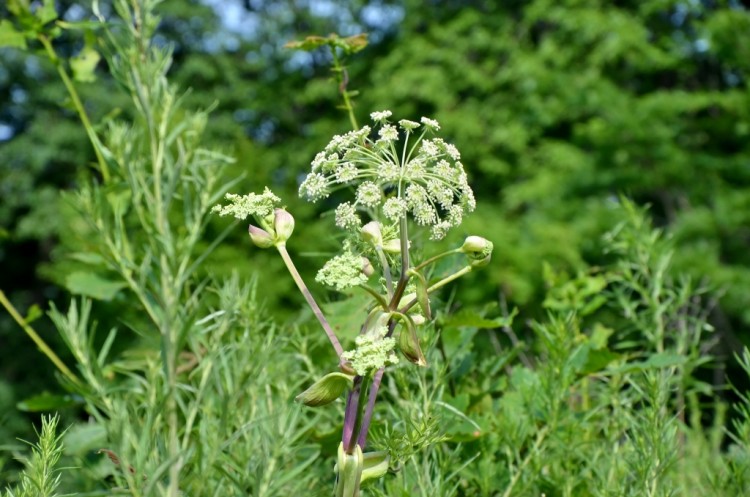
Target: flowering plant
x=403, y=177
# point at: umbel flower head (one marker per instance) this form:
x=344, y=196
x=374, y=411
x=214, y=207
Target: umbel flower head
x=396, y=171
x=276, y=225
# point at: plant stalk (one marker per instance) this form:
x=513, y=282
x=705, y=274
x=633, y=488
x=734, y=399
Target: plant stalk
x=309, y=298
x=93, y=138
x=38, y=340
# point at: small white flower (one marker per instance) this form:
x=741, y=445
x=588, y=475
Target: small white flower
x=455, y=215
x=430, y=123
x=429, y=149
x=314, y=187
x=444, y=170
x=380, y=116
x=394, y=209
x=439, y=230
x=374, y=351
x=440, y=193
x=252, y=204
x=415, y=170
x=451, y=150
x=345, y=172
x=467, y=198
x=415, y=194
x=346, y=216
x=388, y=133
x=407, y=125
x=318, y=161
x=424, y=213
x=388, y=172
x=342, y=272
x=369, y=194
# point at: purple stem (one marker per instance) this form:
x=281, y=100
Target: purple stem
x=362, y=440
x=350, y=414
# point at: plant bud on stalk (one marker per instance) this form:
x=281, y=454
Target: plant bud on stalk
x=283, y=224
x=326, y=390
x=371, y=233
x=478, y=250
x=375, y=464
x=477, y=245
x=392, y=246
x=260, y=237
x=480, y=262
x=349, y=469
x=367, y=268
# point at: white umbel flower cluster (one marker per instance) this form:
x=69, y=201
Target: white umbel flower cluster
x=395, y=170
x=374, y=351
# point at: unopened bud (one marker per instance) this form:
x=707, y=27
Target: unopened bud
x=367, y=268
x=480, y=262
x=325, y=390
x=392, y=246
x=260, y=237
x=348, y=471
x=408, y=341
x=418, y=319
x=477, y=245
x=375, y=464
x=371, y=233
x=283, y=224
x=478, y=250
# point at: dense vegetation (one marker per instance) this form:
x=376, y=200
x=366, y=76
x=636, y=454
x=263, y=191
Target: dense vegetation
x=591, y=357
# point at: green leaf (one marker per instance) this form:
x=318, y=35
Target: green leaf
x=84, y=65
x=326, y=390
x=656, y=361
x=34, y=313
x=469, y=318
x=92, y=285
x=46, y=13
x=350, y=44
x=10, y=37
x=48, y=402
x=82, y=438
x=598, y=360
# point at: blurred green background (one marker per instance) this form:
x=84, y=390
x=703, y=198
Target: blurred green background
x=558, y=107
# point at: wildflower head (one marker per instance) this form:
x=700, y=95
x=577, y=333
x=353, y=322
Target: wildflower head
x=374, y=350
x=275, y=225
x=395, y=170
x=343, y=271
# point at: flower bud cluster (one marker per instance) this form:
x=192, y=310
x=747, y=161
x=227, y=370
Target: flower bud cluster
x=374, y=350
x=423, y=178
x=276, y=225
x=345, y=271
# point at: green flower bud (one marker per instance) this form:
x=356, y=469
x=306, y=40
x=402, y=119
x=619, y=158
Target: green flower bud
x=477, y=247
x=348, y=471
x=326, y=390
x=371, y=233
x=392, y=246
x=480, y=262
x=283, y=224
x=260, y=237
x=408, y=341
x=367, y=268
x=375, y=464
